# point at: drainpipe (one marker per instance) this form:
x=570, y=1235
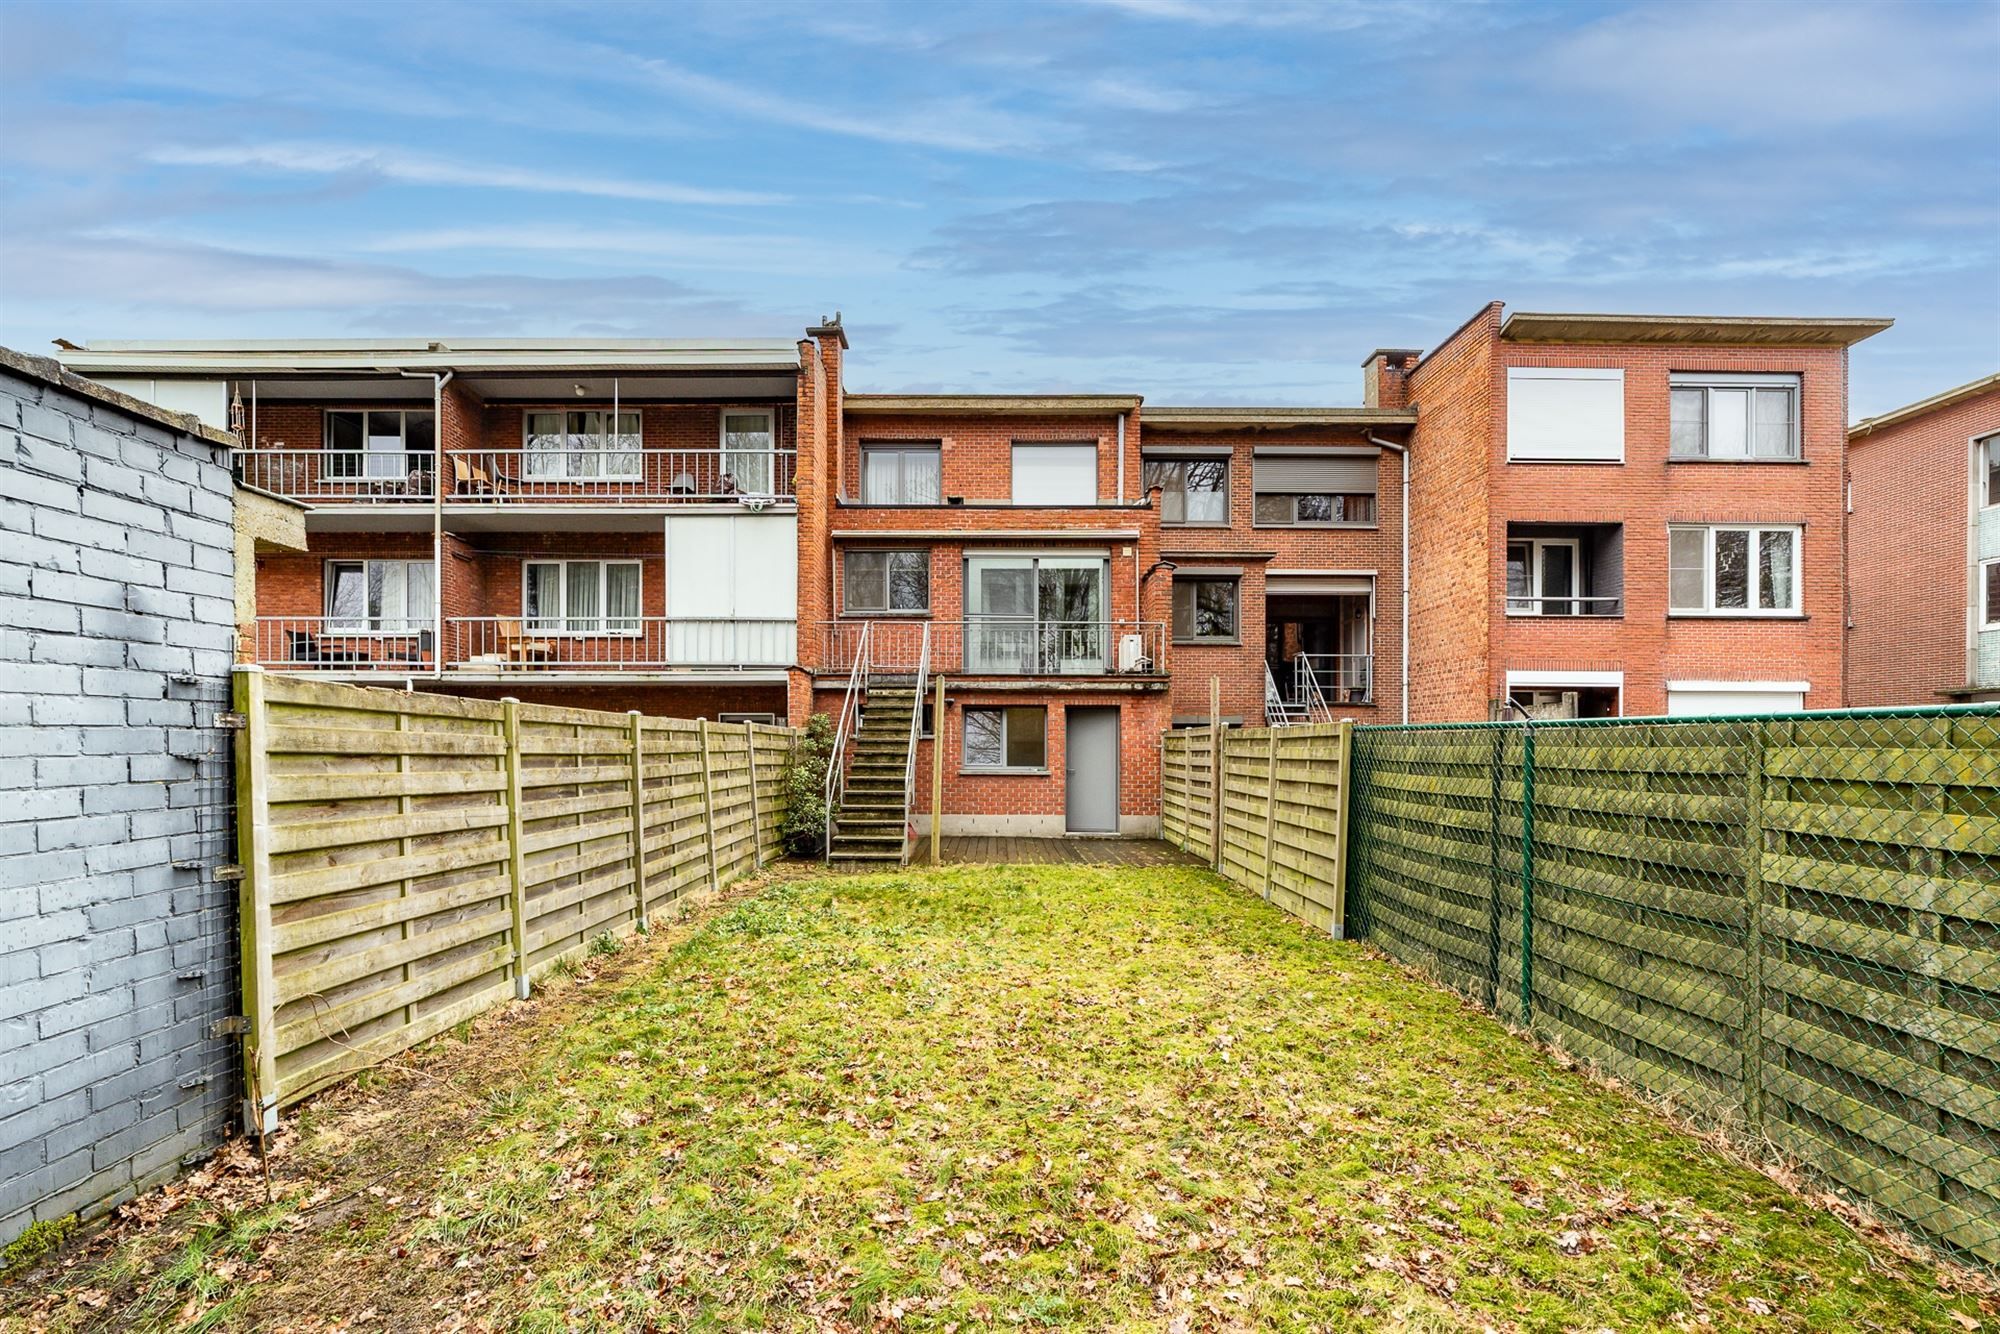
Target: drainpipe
x=1403, y=662
x=1121, y=456
x=438, y=382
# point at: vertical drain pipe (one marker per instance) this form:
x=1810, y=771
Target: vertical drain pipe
x=1403, y=662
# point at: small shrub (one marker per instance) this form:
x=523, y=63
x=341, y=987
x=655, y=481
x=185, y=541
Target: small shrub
x=804, y=828
x=604, y=944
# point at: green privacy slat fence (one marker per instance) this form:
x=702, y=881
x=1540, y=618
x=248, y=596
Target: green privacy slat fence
x=1787, y=924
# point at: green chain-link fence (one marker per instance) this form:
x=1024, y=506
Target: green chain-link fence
x=1790, y=924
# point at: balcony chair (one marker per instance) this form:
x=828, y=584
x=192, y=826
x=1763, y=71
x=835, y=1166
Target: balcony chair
x=470, y=477
x=517, y=649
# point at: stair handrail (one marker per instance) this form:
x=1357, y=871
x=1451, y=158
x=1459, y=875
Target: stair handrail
x=1276, y=711
x=1317, y=709
x=850, y=711
x=917, y=729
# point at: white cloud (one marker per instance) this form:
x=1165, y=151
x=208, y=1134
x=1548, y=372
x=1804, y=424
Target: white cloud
x=415, y=169
x=761, y=253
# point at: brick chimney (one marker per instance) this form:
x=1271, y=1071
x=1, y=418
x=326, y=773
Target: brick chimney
x=1385, y=376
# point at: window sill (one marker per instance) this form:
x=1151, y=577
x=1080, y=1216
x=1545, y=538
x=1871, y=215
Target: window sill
x=1164, y=523
x=1737, y=616
x=1320, y=527
x=1003, y=773
x=876, y=614
x=1548, y=616
x=1207, y=643
x=1737, y=463
x=1570, y=463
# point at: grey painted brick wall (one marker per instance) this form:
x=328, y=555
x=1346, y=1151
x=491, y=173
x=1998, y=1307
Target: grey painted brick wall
x=116, y=940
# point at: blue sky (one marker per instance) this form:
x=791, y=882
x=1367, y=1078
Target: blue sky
x=1201, y=202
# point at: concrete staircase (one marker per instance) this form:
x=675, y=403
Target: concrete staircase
x=870, y=827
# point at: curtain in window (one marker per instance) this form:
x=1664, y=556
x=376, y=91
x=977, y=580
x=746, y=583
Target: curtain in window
x=923, y=477
x=582, y=606
x=1774, y=423
x=544, y=596
x=1687, y=568
x=621, y=598
x=420, y=593
x=746, y=451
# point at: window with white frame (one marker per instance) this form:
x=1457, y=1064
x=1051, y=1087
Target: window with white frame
x=1733, y=569
x=581, y=597
x=749, y=451
x=1192, y=491
x=379, y=445
x=1012, y=738
x=1734, y=417
x=584, y=445
x=887, y=581
x=1544, y=576
x=1989, y=588
x=1055, y=474
x=1989, y=458
x=380, y=596
x=902, y=474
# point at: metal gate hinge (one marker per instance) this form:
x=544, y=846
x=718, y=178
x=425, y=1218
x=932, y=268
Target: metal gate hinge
x=235, y=722
x=234, y=1026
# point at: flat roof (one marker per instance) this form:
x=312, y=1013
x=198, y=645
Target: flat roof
x=1697, y=330
x=1970, y=389
x=299, y=356
x=50, y=371
x=1225, y=419
x=1020, y=405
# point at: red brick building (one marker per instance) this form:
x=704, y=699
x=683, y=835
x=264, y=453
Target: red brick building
x=1924, y=550
x=1608, y=514
x=1629, y=515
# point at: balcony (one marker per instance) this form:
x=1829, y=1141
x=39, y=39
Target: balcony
x=524, y=476
x=511, y=646
x=1002, y=646
x=1319, y=681
x=1565, y=570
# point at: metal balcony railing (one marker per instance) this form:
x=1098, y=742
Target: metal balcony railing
x=1326, y=680
x=616, y=643
x=345, y=644
x=559, y=476
x=999, y=646
x=1610, y=605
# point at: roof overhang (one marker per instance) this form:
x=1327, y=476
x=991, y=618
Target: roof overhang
x=468, y=355
x=1009, y=405
x=1689, y=330
x=1985, y=384
x=1275, y=419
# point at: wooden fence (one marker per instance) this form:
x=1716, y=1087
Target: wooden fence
x=1279, y=829
x=1792, y=925
x=411, y=860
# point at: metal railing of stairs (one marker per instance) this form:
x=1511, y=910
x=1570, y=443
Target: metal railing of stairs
x=916, y=731
x=843, y=735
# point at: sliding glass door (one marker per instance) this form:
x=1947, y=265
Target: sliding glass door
x=1036, y=615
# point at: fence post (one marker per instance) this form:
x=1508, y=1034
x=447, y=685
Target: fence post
x=1215, y=771
x=756, y=811
x=1343, y=802
x=253, y=841
x=638, y=817
x=708, y=808
x=1753, y=949
x=1499, y=762
x=517, y=876
x=1271, y=809
x=1527, y=875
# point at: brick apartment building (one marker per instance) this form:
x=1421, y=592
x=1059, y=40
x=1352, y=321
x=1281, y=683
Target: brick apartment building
x=1602, y=513
x=1924, y=553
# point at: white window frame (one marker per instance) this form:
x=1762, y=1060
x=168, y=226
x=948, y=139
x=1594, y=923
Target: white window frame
x=419, y=621
x=1014, y=473
x=965, y=762
x=847, y=607
x=366, y=456
x=1754, y=573
x=570, y=458
x=1535, y=597
x=544, y=625
x=1985, y=463
x=770, y=452
x=1708, y=384
x=876, y=449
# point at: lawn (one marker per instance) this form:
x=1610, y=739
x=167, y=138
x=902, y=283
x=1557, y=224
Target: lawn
x=1063, y=1096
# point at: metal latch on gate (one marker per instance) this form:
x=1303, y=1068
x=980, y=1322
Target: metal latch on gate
x=235, y=1026
x=230, y=872
x=235, y=722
